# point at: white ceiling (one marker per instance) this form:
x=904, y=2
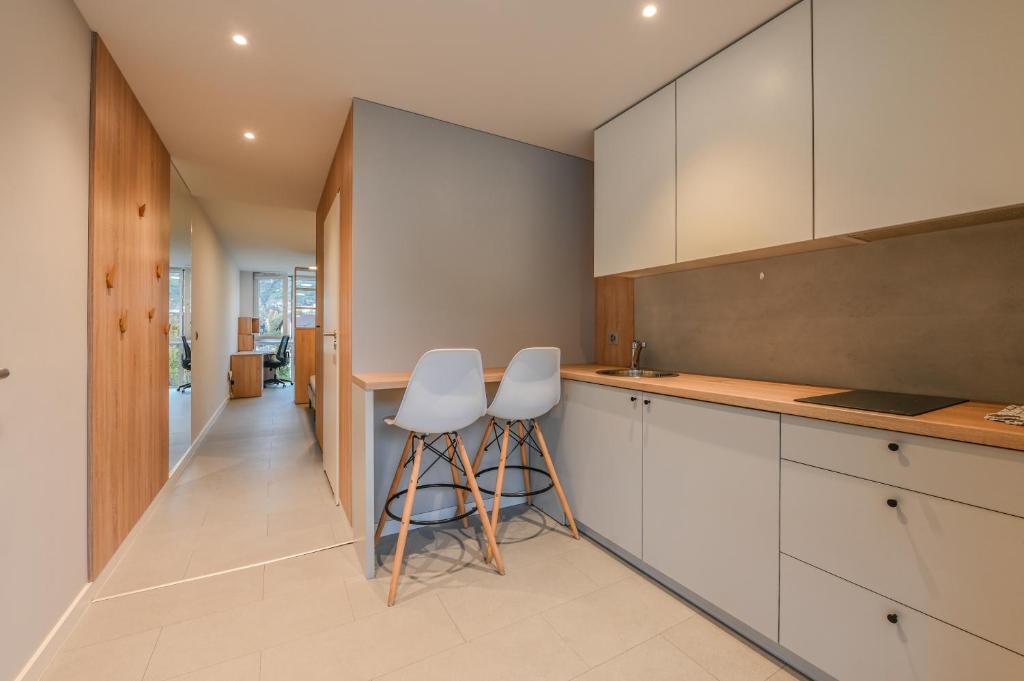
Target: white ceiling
x=542, y=71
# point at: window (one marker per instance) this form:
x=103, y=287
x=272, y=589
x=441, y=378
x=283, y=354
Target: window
x=272, y=293
x=179, y=317
x=305, y=298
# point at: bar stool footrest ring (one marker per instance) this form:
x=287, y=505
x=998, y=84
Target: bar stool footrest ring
x=413, y=521
x=516, y=495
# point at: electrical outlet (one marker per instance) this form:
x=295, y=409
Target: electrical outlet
x=613, y=338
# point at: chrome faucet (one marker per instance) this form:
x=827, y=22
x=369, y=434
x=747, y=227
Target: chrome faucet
x=636, y=349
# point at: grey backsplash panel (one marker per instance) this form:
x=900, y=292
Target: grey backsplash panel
x=939, y=314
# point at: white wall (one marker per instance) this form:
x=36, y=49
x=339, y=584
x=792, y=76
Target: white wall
x=245, y=298
x=44, y=226
x=466, y=239
x=215, y=284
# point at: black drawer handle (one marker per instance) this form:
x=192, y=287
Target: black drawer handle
x=632, y=398
x=894, y=447
x=647, y=402
x=893, y=503
x=893, y=618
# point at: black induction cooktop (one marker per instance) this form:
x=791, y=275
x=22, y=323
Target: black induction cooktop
x=886, y=403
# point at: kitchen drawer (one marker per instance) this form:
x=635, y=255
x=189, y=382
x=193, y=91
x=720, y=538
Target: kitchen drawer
x=844, y=630
x=983, y=476
x=961, y=564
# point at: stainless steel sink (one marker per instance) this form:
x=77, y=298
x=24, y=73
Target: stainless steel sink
x=636, y=373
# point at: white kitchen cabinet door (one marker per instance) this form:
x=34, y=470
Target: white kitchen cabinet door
x=744, y=173
x=711, y=504
x=846, y=631
x=599, y=460
x=635, y=188
x=918, y=110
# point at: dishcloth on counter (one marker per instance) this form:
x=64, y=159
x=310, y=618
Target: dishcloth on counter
x=1013, y=414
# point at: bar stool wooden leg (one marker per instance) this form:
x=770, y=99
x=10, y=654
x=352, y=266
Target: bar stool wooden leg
x=496, y=509
x=394, y=485
x=554, y=479
x=484, y=520
x=524, y=454
x=483, y=443
x=460, y=495
x=403, y=533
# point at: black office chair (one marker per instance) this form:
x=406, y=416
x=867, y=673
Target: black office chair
x=276, y=361
x=186, y=363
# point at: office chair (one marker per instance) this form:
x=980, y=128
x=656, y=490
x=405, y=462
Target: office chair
x=276, y=361
x=186, y=363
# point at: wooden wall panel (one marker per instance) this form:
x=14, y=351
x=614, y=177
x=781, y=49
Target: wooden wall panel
x=613, y=313
x=129, y=241
x=339, y=179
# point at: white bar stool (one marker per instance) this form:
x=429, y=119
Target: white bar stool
x=445, y=394
x=530, y=388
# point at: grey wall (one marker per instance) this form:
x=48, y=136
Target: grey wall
x=465, y=239
x=44, y=228
x=939, y=313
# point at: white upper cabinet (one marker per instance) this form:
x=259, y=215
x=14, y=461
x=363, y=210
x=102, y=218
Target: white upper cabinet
x=919, y=110
x=744, y=173
x=634, y=187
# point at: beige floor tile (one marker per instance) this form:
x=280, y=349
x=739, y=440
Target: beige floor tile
x=144, y=568
x=195, y=644
x=240, y=669
x=496, y=601
x=232, y=552
x=117, y=617
x=787, y=675
x=367, y=648
x=123, y=659
x=596, y=563
x=303, y=518
x=617, y=617
x=529, y=650
x=725, y=655
x=653, y=660
x=323, y=568
x=525, y=534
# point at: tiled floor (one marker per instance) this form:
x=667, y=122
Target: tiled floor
x=564, y=610
x=179, y=407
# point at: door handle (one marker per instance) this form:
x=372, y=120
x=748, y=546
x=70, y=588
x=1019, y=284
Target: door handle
x=4, y=373
x=332, y=334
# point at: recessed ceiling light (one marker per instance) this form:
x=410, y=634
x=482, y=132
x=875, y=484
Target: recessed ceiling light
x=650, y=11
x=240, y=39
x=249, y=135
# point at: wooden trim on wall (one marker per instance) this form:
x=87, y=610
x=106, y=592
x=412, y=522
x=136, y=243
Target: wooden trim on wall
x=129, y=243
x=613, y=313
x=339, y=180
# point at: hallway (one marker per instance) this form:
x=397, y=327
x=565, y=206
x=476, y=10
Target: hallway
x=254, y=492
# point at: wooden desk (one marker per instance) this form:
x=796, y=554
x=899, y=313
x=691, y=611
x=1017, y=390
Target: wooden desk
x=247, y=373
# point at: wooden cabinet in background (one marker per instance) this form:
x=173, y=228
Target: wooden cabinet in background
x=305, y=362
x=635, y=187
x=246, y=341
x=247, y=374
x=744, y=161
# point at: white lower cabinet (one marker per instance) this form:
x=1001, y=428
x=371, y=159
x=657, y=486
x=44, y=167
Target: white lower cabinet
x=711, y=504
x=959, y=563
x=599, y=460
x=854, y=634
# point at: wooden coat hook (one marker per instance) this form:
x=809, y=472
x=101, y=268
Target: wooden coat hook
x=159, y=270
x=142, y=210
x=110, y=276
x=122, y=321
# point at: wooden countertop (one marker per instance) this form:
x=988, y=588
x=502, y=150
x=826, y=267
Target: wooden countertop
x=963, y=422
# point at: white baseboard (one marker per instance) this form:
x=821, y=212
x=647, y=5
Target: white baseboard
x=44, y=654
